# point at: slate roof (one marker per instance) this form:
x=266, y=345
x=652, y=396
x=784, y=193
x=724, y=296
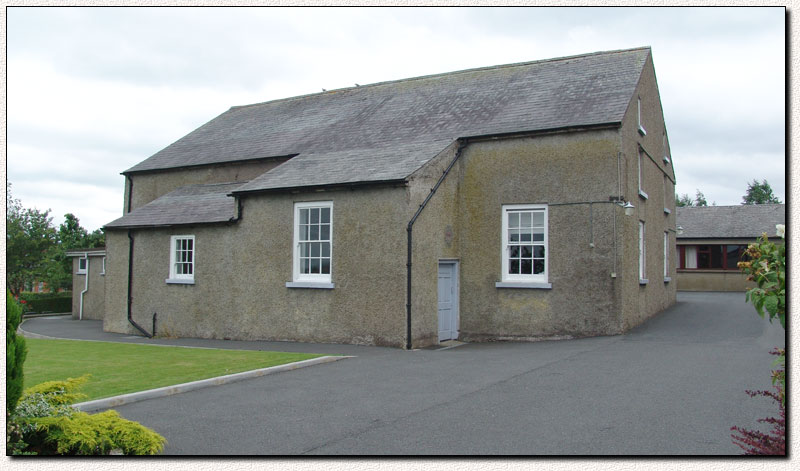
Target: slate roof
x=192, y=204
x=387, y=130
x=730, y=222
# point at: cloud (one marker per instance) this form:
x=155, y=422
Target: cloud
x=93, y=91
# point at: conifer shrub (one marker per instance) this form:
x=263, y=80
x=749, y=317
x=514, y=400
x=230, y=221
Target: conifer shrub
x=93, y=434
x=15, y=353
x=48, y=425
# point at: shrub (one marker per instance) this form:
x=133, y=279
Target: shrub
x=15, y=353
x=95, y=434
x=47, y=302
x=754, y=442
x=767, y=267
x=49, y=425
x=59, y=392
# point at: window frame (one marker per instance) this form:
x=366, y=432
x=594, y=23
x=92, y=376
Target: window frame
x=82, y=271
x=103, y=272
x=540, y=280
x=696, y=252
x=309, y=280
x=181, y=278
x=640, y=127
x=666, y=257
x=642, y=253
x=642, y=193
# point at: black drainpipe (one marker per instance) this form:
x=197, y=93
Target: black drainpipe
x=461, y=144
x=130, y=192
x=130, y=285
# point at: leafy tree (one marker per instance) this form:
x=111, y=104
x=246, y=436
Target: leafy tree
x=700, y=199
x=683, y=200
x=759, y=193
x=686, y=200
x=71, y=236
x=30, y=240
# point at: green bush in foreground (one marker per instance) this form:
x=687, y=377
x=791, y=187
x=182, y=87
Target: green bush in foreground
x=45, y=424
x=95, y=434
x=15, y=352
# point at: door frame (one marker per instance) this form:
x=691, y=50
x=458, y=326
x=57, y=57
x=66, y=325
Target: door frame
x=456, y=263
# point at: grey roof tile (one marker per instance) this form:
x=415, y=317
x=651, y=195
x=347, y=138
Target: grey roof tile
x=192, y=204
x=388, y=130
x=742, y=221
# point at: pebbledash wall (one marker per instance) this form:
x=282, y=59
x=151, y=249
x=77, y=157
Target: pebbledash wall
x=94, y=292
x=241, y=268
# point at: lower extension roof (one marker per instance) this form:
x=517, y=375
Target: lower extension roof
x=744, y=221
x=192, y=204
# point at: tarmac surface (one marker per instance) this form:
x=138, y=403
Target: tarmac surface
x=672, y=386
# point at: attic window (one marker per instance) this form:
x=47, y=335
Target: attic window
x=664, y=148
x=639, y=116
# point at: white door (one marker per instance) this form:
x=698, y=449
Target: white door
x=448, y=301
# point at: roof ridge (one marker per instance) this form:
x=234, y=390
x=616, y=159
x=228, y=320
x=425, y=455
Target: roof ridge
x=441, y=74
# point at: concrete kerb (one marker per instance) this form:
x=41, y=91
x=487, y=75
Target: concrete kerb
x=108, y=402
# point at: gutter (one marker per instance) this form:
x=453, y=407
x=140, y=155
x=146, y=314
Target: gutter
x=130, y=285
x=85, y=285
x=461, y=144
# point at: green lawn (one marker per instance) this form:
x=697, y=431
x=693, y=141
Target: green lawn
x=120, y=368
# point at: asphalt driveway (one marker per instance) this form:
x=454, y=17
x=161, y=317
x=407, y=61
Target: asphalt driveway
x=674, y=385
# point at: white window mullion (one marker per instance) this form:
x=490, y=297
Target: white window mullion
x=304, y=258
x=182, y=259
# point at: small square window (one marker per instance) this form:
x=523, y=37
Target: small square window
x=83, y=262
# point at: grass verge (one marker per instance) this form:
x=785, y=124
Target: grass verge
x=121, y=368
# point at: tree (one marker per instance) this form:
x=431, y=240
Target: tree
x=683, y=200
x=71, y=236
x=30, y=240
x=686, y=200
x=700, y=199
x=759, y=193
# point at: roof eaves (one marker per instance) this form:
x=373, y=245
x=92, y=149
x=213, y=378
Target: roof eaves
x=330, y=186
x=164, y=226
x=130, y=171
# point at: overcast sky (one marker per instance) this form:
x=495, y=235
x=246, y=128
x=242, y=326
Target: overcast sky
x=93, y=91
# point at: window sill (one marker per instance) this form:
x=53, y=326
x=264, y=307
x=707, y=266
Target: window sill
x=667, y=211
x=667, y=279
x=521, y=284
x=666, y=160
x=641, y=130
x=309, y=284
x=642, y=195
x=80, y=272
x=643, y=281
x=178, y=281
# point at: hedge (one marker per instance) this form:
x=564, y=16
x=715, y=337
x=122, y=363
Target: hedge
x=46, y=302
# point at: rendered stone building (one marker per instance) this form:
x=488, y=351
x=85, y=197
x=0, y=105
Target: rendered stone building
x=712, y=239
x=88, y=283
x=482, y=204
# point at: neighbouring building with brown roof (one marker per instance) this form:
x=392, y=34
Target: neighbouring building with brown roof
x=712, y=239
x=523, y=201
